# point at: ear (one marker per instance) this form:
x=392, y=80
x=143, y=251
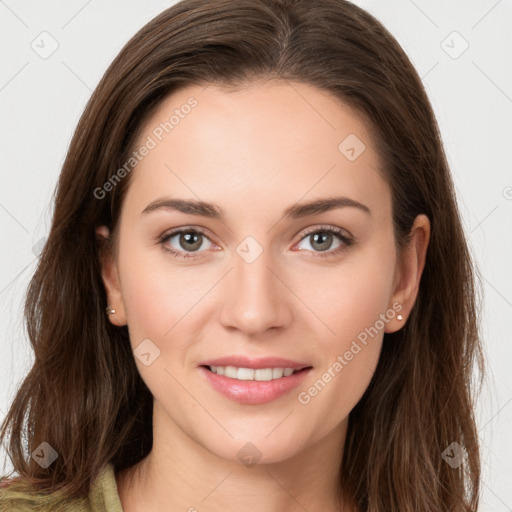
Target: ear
x=408, y=272
x=110, y=277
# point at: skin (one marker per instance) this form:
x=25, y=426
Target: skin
x=254, y=152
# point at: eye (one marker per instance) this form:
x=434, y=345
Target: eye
x=186, y=243
x=321, y=239
x=183, y=240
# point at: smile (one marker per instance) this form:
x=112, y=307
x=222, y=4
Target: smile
x=253, y=386
x=260, y=374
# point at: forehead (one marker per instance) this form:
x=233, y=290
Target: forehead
x=276, y=139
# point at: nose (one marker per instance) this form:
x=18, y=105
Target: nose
x=255, y=297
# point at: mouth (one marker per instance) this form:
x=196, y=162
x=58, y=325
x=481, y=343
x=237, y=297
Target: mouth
x=254, y=382
x=254, y=374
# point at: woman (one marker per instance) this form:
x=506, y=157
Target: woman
x=256, y=290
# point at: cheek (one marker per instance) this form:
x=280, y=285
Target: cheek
x=155, y=297
x=352, y=302
x=158, y=299
x=350, y=297
x=157, y=302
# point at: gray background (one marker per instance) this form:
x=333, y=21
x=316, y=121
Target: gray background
x=42, y=97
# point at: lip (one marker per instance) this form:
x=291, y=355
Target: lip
x=252, y=392
x=262, y=362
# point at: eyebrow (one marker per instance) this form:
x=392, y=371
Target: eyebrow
x=213, y=211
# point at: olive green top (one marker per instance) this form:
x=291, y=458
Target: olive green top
x=103, y=497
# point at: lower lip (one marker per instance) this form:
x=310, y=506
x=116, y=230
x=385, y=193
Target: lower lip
x=254, y=392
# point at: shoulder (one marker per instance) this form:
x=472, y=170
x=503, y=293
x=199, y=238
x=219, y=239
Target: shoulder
x=17, y=497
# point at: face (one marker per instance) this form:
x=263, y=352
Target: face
x=250, y=277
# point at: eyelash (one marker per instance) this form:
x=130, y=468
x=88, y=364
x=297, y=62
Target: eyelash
x=346, y=240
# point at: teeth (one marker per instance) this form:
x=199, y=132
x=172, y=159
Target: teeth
x=277, y=373
x=261, y=374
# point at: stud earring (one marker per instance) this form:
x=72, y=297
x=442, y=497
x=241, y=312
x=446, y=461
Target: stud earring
x=109, y=310
x=399, y=317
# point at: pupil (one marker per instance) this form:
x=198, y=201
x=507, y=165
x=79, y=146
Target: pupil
x=319, y=239
x=189, y=238
x=325, y=236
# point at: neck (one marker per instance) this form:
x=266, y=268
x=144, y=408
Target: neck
x=181, y=474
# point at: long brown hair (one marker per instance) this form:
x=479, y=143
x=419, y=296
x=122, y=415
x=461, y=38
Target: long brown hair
x=84, y=395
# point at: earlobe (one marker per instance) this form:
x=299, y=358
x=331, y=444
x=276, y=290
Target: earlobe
x=115, y=307
x=410, y=268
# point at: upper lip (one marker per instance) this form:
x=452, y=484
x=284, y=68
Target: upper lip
x=263, y=362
